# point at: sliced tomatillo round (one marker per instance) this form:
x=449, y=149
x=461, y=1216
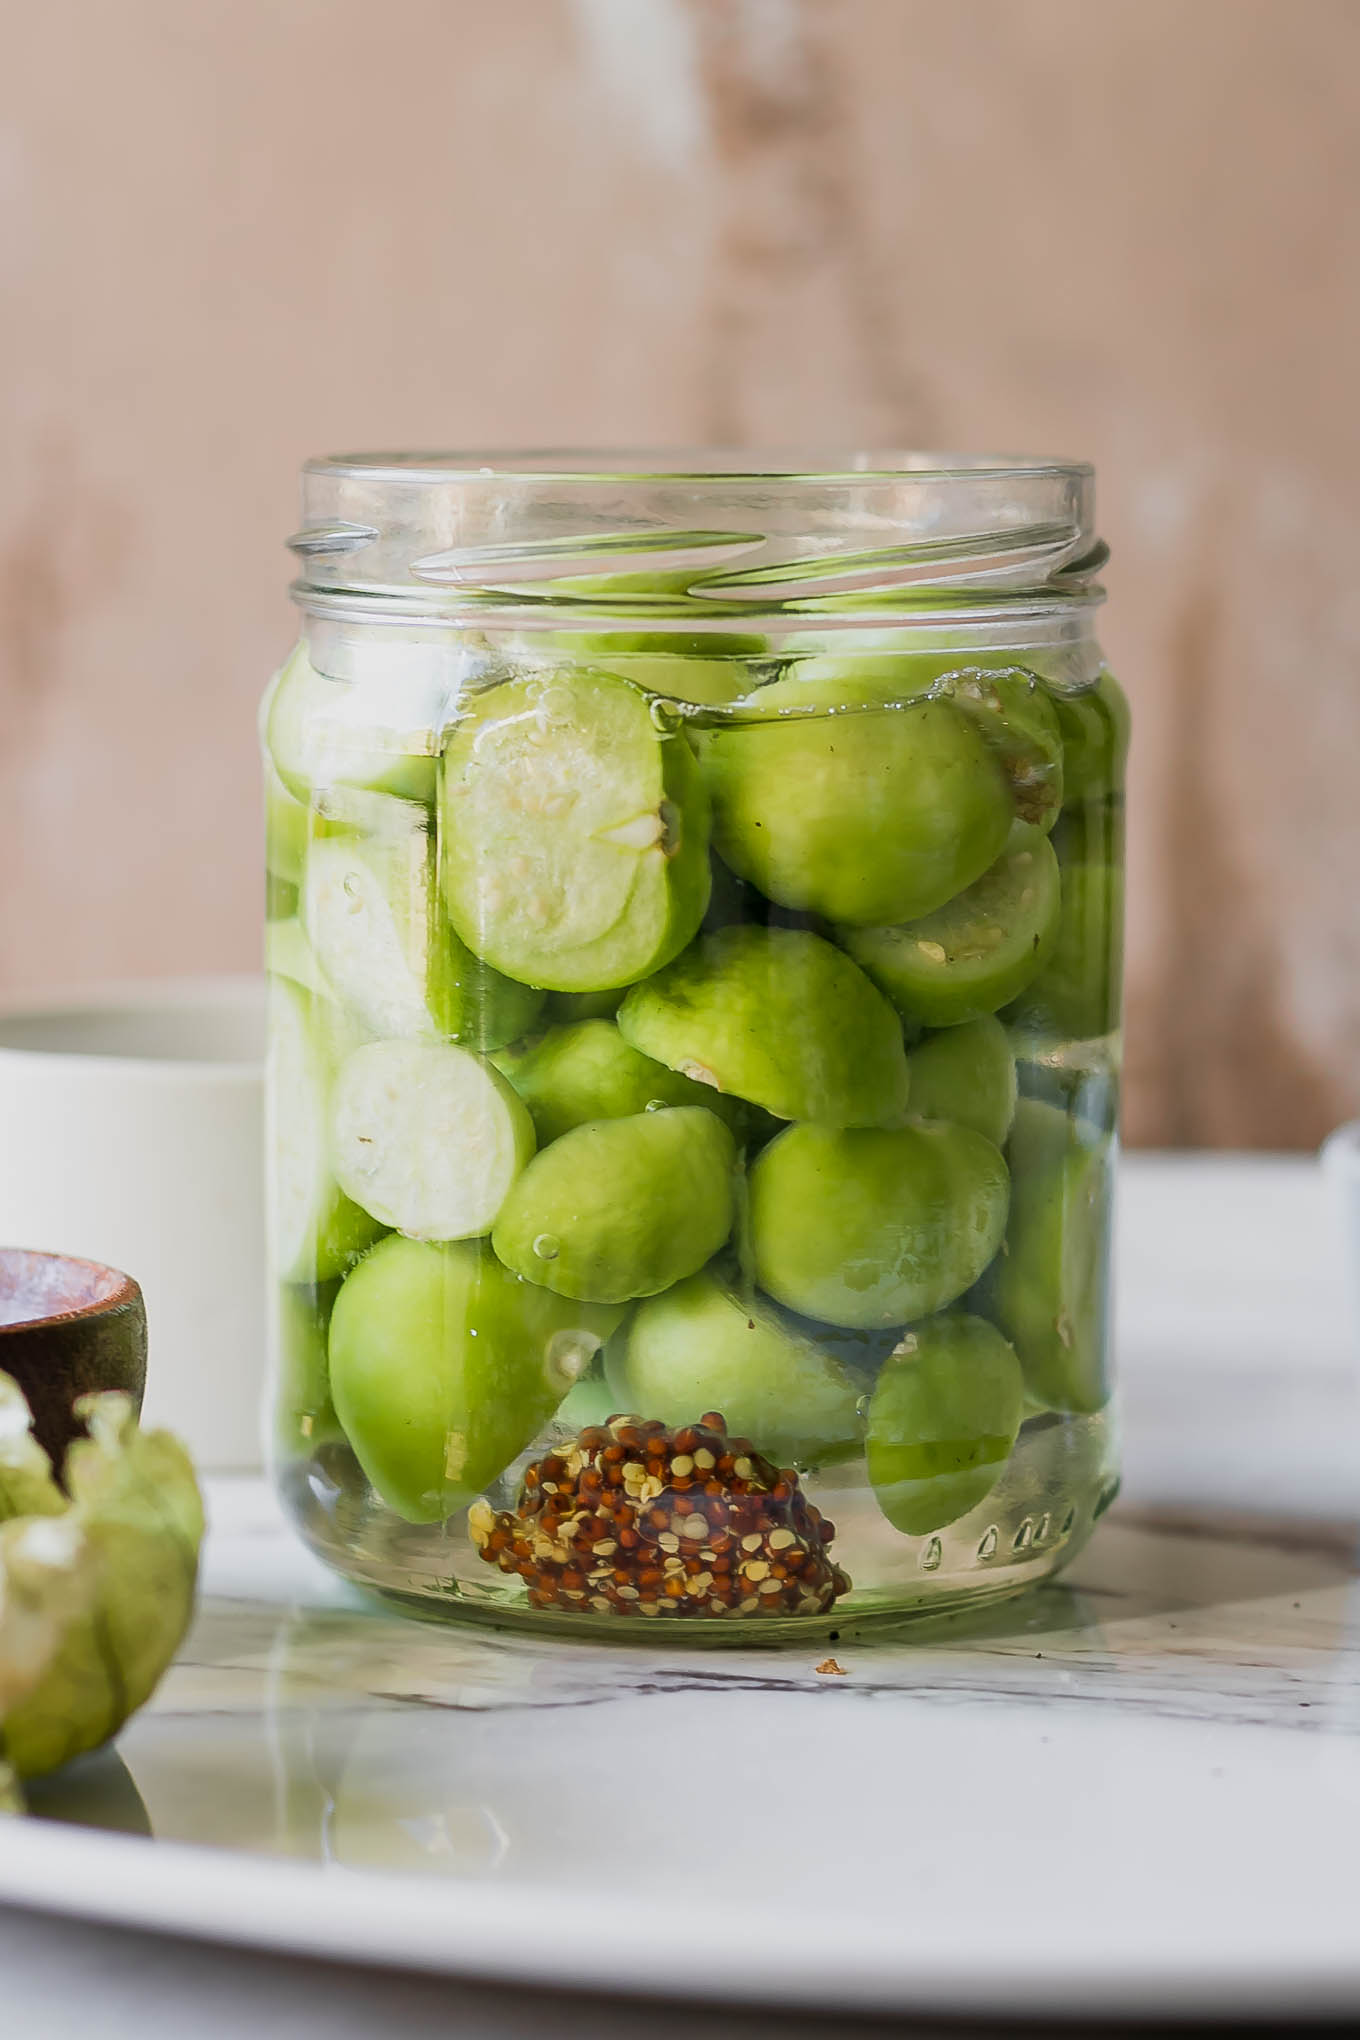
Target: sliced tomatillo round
x=444, y=1365
x=620, y=1208
x=588, y=1071
x=427, y=1137
x=575, y=832
x=942, y=1422
x=366, y=909
x=829, y=801
x=979, y=950
x=966, y=1075
x=777, y=1016
x=875, y=1226
x=372, y=908
x=1049, y=1291
x=702, y=1347
x=322, y=732
x=316, y=1231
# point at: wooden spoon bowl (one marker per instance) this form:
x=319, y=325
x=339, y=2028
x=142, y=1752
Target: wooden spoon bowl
x=68, y=1328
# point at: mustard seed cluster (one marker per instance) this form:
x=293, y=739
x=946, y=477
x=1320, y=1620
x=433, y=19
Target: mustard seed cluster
x=635, y=1519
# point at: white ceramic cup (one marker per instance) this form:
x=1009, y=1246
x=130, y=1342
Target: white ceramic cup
x=131, y=1133
x=1341, y=1160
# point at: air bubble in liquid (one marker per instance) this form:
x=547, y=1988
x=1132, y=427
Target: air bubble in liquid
x=666, y=716
x=547, y=1246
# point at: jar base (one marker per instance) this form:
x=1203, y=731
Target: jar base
x=1061, y=1479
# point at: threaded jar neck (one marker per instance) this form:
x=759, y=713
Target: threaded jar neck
x=703, y=539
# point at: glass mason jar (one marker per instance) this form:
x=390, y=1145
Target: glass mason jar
x=694, y=944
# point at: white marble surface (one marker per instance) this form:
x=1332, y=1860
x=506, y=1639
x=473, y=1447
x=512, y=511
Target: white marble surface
x=1135, y=1788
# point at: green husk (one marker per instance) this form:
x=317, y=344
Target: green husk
x=96, y=1583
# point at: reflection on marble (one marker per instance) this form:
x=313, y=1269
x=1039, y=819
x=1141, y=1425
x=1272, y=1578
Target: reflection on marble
x=351, y=1735
x=96, y=1791
x=1199, y=1662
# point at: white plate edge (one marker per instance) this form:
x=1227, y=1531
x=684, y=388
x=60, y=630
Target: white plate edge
x=468, y=1928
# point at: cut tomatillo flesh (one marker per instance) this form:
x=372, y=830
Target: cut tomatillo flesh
x=321, y=732
x=942, y=1423
x=316, y=1230
x=857, y=811
x=1049, y=1291
x=777, y=1016
x=1076, y=995
x=588, y=1071
x=977, y=952
x=367, y=907
x=575, y=832
x=427, y=1137
x=966, y=1075
x=703, y=1347
x=371, y=906
x=621, y=1208
x=444, y=1365
x=874, y=1226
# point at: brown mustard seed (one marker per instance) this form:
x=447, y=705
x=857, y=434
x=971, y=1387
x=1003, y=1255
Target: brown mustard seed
x=628, y=1492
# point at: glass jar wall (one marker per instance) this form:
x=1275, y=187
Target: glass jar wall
x=694, y=941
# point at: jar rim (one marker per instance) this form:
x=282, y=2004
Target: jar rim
x=725, y=467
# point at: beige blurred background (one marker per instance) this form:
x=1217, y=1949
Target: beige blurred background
x=236, y=232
